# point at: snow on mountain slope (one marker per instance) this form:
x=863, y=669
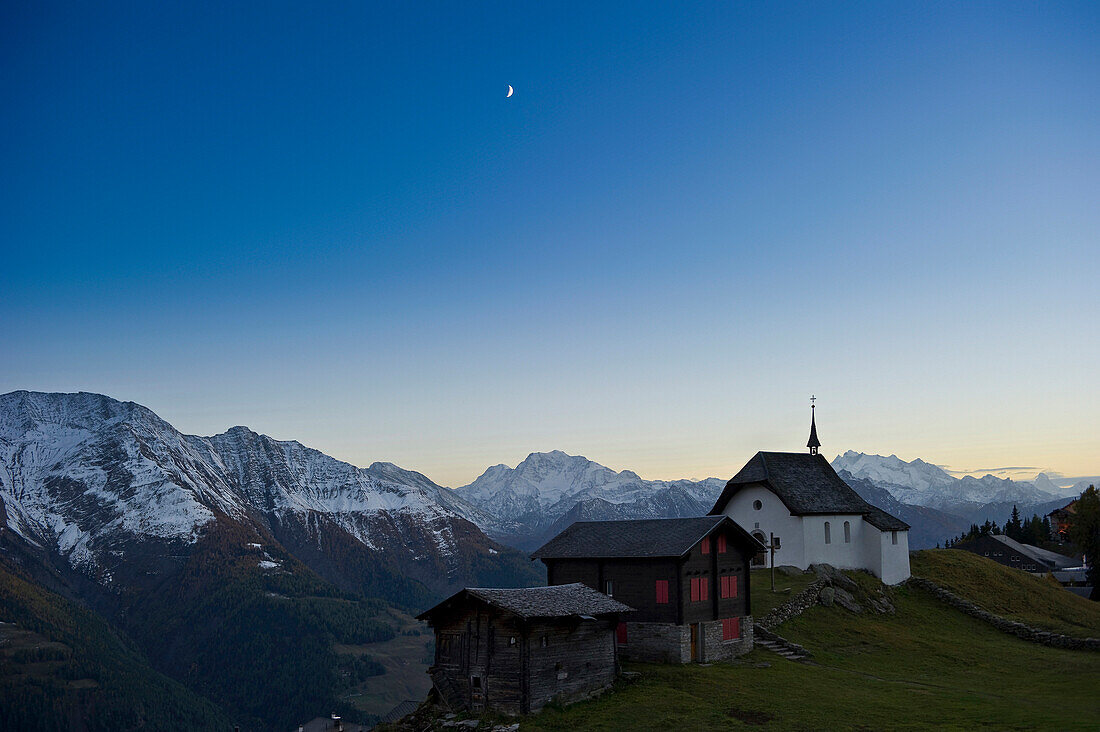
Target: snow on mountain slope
x=76, y=468
x=924, y=484
x=526, y=501
x=83, y=474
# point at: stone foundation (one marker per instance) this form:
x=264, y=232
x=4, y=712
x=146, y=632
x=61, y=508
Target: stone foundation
x=670, y=643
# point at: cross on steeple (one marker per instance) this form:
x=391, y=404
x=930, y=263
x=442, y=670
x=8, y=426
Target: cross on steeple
x=813, y=443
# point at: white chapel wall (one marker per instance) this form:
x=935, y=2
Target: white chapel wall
x=771, y=517
x=838, y=552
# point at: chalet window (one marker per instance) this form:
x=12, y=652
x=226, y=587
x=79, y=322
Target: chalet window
x=608, y=589
x=661, y=590
x=706, y=545
x=721, y=543
x=828, y=534
x=475, y=681
x=729, y=586
x=511, y=640
x=893, y=537
x=731, y=628
x=620, y=633
x=699, y=589
x=757, y=505
x=847, y=532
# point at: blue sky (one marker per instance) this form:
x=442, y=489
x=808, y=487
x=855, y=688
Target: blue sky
x=327, y=222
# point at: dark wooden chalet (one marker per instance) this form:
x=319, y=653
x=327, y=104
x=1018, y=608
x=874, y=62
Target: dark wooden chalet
x=687, y=580
x=514, y=650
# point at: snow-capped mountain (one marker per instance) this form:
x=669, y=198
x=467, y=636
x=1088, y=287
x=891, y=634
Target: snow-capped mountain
x=529, y=501
x=88, y=477
x=923, y=484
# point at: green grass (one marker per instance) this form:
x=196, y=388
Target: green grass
x=926, y=666
x=1009, y=592
x=763, y=599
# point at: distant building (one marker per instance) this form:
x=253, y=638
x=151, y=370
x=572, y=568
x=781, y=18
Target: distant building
x=814, y=515
x=513, y=650
x=686, y=578
x=1012, y=553
x=1060, y=520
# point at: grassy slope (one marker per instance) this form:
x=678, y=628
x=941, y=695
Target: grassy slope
x=1009, y=592
x=763, y=599
x=925, y=666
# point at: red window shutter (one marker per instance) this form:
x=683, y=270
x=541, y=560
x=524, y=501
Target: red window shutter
x=721, y=543
x=731, y=628
x=725, y=589
x=706, y=545
x=620, y=633
x=695, y=589
x=703, y=588
x=733, y=586
x=662, y=592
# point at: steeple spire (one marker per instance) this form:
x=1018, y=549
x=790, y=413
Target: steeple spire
x=813, y=443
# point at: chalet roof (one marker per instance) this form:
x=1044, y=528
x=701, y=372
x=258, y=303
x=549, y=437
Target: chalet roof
x=807, y=485
x=557, y=601
x=671, y=537
x=1049, y=559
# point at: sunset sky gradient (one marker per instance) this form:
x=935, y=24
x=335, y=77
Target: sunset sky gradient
x=327, y=223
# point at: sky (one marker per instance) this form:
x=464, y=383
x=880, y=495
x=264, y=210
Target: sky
x=326, y=222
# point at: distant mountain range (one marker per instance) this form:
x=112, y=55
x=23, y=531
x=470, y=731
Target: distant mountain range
x=550, y=490
x=194, y=546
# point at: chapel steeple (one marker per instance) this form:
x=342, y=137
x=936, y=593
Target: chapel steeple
x=813, y=443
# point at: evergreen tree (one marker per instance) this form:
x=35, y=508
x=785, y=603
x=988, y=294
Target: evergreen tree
x=1084, y=531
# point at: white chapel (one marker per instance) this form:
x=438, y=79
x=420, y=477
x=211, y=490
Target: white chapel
x=813, y=515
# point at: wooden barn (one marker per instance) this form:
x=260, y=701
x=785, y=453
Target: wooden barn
x=513, y=650
x=687, y=580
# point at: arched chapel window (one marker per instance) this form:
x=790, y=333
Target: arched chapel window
x=828, y=534
x=847, y=532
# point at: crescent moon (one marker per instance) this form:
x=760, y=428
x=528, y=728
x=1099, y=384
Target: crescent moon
x=510, y=90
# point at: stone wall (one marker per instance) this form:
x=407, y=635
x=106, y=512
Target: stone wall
x=656, y=642
x=1020, y=630
x=795, y=606
x=670, y=643
x=716, y=649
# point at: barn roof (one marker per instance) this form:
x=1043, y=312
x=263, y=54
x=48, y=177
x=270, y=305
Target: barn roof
x=672, y=537
x=557, y=601
x=807, y=485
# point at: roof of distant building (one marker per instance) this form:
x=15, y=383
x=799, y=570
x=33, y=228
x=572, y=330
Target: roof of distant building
x=1051, y=559
x=403, y=709
x=557, y=601
x=672, y=537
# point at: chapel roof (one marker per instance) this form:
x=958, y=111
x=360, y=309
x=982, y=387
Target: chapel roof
x=807, y=485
